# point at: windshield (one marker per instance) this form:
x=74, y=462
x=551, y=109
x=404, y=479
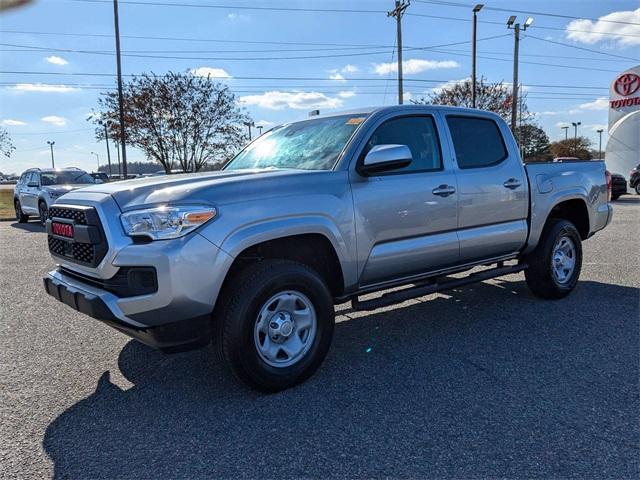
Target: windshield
x=65, y=177
x=308, y=145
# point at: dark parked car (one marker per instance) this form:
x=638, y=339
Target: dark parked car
x=100, y=176
x=634, y=178
x=618, y=186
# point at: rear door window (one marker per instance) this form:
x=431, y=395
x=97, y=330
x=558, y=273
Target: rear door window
x=477, y=141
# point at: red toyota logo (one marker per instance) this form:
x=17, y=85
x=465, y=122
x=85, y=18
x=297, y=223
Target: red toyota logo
x=627, y=84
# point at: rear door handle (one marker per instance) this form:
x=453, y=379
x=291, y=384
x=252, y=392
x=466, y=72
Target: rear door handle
x=444, y=190
x=512, y=183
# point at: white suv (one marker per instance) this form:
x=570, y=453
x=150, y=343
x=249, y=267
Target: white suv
x=38, y=188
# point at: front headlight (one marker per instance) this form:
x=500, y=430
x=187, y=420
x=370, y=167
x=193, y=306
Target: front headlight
x=166, y=222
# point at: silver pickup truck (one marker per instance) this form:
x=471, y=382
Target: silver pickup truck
x=315, y=213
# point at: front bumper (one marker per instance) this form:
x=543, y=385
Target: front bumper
x=174, y=336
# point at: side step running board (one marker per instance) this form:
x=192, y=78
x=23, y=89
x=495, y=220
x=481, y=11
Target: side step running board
x=438, y=285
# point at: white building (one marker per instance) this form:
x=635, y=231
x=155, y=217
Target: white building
x=623, y=147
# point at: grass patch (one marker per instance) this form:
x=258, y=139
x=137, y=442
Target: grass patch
x=6, y=204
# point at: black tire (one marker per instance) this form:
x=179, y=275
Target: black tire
x=540, y=274
x=637, y=188
x=236, y=317
x=43, y=212
x=615, y=197
x=20, y=216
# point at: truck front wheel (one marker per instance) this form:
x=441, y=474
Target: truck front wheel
x=276, y=325
x=555, y=264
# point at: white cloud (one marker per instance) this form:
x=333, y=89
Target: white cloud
x=55, y=60
x=346, y=94
x=265, y=123
x=601, y=103
x=55, y=120
x=43, y=87
x=12, y=123
x=214, y=73
x=449, y=84
x=562, y=124
x=237, y=17
x=603, y=29
x=406, y=96
x=349, y=69
x=414, y=65
x=276, y=100
x=337, y=77
x=596, y=126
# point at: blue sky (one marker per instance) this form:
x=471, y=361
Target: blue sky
x=53, y=106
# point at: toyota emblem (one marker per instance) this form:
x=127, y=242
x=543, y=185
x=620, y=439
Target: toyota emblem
x=627, y=84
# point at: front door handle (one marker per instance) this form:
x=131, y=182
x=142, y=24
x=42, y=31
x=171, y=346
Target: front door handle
x=512, y=183
x=444, y=190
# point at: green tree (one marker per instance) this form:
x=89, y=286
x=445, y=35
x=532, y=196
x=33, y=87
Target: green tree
x=6, y=145
x=178, y=119
x=534, y=143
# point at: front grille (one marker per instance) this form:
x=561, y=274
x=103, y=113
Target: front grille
x=92, y=247
x=77, y=215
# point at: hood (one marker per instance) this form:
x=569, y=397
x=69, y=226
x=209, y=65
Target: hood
x=207, y=188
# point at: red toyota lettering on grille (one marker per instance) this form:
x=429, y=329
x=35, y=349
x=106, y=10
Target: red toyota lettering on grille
x=62, y=229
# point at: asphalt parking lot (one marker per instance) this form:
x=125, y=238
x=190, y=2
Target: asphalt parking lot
x=484, y=381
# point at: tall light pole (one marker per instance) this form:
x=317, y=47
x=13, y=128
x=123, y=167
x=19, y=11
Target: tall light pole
x=249, y=125
x=51, y=144
x=566, y=132
x=397, y=12
x=120, y=96
x=575, y=136
x=600, y=143
x=106, y=139
x=516, y=48
x=476, y=9
x=97, y=160
x=259, y=127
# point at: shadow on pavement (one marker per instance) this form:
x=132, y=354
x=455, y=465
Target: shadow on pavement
x=32, y=226
x=485, y=381
x=628, y=199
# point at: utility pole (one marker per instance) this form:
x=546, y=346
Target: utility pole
x=476, y=9
x=51, y=144
x=397, y=12
x=566, y=132
x=516, y=48
x=106, y=139
x=600, y=144
x=120, y=97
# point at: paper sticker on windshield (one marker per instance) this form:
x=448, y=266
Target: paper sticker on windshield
x=355, y=121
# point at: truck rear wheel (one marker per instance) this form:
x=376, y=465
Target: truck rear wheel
x=555, y=264
x=276, y=325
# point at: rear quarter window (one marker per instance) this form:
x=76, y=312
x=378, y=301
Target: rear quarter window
x=477, y=141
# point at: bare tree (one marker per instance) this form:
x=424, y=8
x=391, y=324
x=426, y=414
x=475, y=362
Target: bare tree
x=6, y=145
x=177, y=119
x=495, y=97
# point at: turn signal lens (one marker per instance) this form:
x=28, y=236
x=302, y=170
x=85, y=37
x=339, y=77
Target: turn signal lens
x=200, y=217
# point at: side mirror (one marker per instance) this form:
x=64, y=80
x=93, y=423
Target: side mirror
x=33, y=185
x=383, y=158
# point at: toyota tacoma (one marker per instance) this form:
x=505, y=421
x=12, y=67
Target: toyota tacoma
x=314, y=213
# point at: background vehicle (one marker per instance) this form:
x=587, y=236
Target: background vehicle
x=103, y=177
x=315, y=213
x=618, y=186
x=37, y=189
x=634, y=179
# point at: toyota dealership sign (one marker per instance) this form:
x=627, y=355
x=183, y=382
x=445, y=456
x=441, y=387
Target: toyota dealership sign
x=623, y=148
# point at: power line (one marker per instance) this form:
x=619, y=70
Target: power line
x=422, y=80
x=325, y=10
x=581, y=48
x=529, y=12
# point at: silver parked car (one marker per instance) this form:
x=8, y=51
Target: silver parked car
x=37, y=189
x=315, y=213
